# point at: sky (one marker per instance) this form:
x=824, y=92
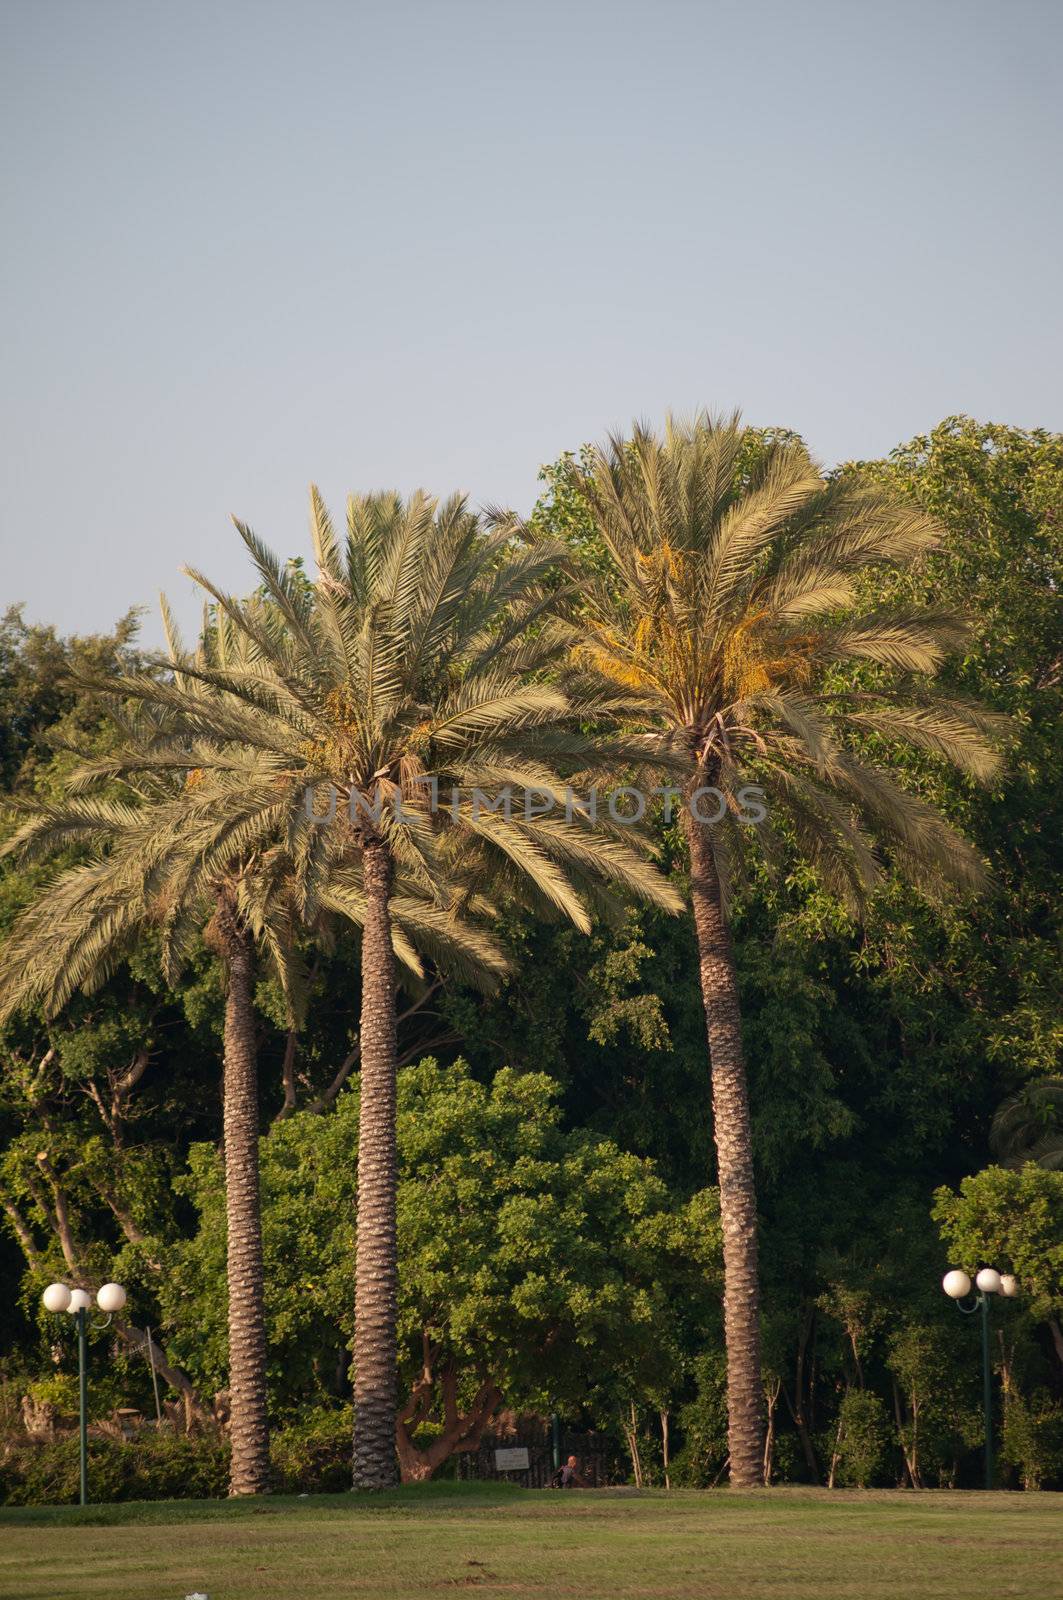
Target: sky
x=250, y=245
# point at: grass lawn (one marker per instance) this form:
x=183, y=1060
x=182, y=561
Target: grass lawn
x=786, y=1544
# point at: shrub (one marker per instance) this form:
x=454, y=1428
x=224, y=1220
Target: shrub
x=311, y=1457
x=154, y=1466
x=703, y=1426
x=1033, y=1439
x=57, y=1393
x=314, y=1456
x=11, y=1424
x=863, y=1444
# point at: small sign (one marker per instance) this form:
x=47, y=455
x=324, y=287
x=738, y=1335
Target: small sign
x=512, y=1460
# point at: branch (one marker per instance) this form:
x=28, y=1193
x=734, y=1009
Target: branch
x=62, y=1216
x=488, y=1399
x=323, y=1101
x=1049, y=674
x=22, y=1233
x=426, y=1046
x=38, y=1077
x=91, y=1089
x=291, y=1045
x=288, y=1075
x=180, y=1382
x=29, y=1078
x=122, y=1088
x=125, y=1221
x=418, y=1407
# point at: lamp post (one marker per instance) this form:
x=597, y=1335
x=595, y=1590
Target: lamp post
x=957, y=1285
x=59, y=1297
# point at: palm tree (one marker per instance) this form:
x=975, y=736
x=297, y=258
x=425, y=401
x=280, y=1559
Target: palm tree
x=144, y=872
x=171, y=854
x=409, y=684
x=1028, y=1126
x=724, y=601
x=194, y=848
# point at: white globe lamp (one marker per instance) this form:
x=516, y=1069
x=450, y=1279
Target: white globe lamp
x=56, y=1297
x=111, y=1297
x=989, y=1280
x=956, y=1284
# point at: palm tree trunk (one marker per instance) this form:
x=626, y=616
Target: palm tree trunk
x=376, y=1270
x=249, y=1428
x=734, y=1154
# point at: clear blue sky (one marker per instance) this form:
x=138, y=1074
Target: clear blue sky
x=250, y=244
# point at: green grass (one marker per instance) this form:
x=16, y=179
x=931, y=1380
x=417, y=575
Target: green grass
x=783, y=1544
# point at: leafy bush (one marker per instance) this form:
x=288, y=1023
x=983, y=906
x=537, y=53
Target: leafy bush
x=1033, y=1440
x=11, y=1424
x=58, y=1391
x=863, y=1444
x=789, y=1465
x=314, y=1456
x=154, y=1466
x=703, y=1426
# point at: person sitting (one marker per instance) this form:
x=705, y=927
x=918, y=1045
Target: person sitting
x=568, y=1476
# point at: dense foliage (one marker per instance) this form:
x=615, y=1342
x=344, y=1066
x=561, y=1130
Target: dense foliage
x=558, y=1242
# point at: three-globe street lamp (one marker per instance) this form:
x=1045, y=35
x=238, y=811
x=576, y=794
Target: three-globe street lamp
x=111, y=1297
x=957, y=1285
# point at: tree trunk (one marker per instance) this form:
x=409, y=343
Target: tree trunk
x=734, y=1153
x=376, y=1268
x=909, y=1451
x=772, y=1394
x=630, y=1425
x=249, y=1428
x=461, y=1431
x=806, y=1330
x=1057, y=1337
x=836, y=1454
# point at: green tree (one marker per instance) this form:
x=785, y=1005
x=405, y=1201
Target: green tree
x=935, y=1391
x=540, y=1268
x=36, y=695
x=1011, y=1220
x=997, y=494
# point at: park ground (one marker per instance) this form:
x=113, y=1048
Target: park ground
x=781, y=1544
